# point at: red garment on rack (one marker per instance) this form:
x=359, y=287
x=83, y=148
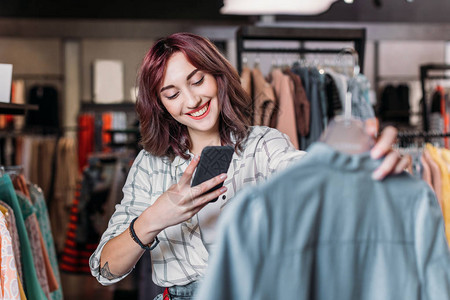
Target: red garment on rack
x=75, y=256
x=86, y=124
x=107, y=120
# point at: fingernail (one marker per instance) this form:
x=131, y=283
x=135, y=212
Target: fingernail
x=377, y=175
x=223, y=189
x=223, y=176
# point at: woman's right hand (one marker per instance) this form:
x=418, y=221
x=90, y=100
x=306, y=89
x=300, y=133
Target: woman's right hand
x=178, y=204
x=181, y=201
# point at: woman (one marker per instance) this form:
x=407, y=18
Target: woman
x=190, y=97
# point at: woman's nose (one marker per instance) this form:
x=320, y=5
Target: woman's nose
x=193, y=100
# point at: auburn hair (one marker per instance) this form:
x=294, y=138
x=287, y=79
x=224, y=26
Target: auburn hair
x=161, y=134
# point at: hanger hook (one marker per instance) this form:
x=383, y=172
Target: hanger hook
x=349, y=50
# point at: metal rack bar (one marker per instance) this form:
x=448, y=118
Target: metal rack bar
x=244, y=33
x=16, y=109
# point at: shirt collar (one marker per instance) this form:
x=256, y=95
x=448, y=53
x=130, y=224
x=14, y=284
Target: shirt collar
x=326, y=155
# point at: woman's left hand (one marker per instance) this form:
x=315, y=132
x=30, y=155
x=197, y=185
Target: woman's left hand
x=393, y=162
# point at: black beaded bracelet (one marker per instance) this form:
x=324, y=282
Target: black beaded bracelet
x=133, y=235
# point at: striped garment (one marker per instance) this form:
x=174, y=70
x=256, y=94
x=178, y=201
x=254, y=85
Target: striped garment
x=181, y=256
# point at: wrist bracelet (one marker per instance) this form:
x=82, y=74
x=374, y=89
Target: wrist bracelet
x=133, y=235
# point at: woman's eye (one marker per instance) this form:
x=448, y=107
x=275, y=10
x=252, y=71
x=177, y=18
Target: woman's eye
x=172, y=96
x=199, y=81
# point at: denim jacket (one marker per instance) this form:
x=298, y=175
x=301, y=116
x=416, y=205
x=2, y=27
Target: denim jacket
x=324, y=229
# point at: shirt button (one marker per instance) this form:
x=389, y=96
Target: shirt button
x=224, y=197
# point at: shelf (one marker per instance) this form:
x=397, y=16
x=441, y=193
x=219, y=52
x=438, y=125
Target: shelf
x=58, y=77
x=95, y=107
x=124, y=131
x=16, y=109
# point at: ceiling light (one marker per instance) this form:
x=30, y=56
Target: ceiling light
x=275, y=7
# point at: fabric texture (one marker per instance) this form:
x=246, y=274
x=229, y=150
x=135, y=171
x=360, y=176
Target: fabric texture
x=301, y=104
x=39, y=203
x=9, y=288
x=284, y=91
x=317, y=112
x=34, y=235
x=264, y=99
x=75, y=256
x=65, y=182
x=246, y=80
x=324, y=229
x=12, y=228
x=445, y=183
x=183, y=292
x=181, y=256
x=31, y=282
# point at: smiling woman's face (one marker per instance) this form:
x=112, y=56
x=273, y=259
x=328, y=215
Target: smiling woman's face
x=190, y=95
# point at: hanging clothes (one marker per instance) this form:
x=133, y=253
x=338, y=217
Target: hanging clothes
x=64, y=188
x=295, y=236
x=264, y=99
x=9, y=288
x=12, y=228
x=32, y=287
x=34, y=236
x=284, y=90
x=300, y=101
x=361, y=106
x=333, y=98
x=317, y=113
x=39, y=203
x=86, y=123
x=246, y=80
x=98, y=193
x=301, y=104
x=394, y=104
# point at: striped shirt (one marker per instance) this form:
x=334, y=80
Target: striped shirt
x=181, y=256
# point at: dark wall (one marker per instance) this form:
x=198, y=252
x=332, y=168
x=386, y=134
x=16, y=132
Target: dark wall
x=424, y=11
x=126, y=9
x=417, y=11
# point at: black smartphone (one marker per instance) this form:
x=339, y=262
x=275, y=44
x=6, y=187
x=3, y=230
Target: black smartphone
x=214, y=160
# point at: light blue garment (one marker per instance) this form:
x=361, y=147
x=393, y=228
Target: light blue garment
x=361, y=106
x=181, y=292
x=324, y=230
x=317, y=113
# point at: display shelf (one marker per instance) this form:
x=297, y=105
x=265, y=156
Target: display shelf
x=16, y=109
x=126, y=131
x=96, y=107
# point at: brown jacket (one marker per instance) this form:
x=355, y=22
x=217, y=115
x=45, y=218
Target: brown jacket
x=301, y=104
x=263, y=99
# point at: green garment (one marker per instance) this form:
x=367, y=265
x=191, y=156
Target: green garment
x=44, y=223
x=33, y=289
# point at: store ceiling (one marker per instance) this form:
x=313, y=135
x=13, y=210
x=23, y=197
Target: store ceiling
x=429, y=11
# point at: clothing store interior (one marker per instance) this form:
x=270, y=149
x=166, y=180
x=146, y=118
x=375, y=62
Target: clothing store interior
x=70, y=134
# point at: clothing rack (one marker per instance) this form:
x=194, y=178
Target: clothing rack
x=422, y=134
x=408, y=137
x=426, y=74
x=245, y=33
